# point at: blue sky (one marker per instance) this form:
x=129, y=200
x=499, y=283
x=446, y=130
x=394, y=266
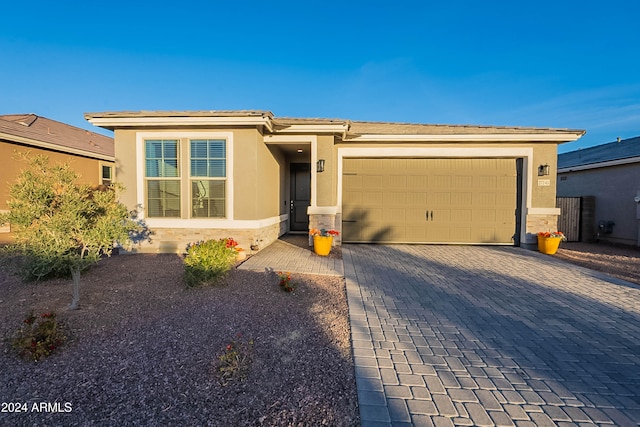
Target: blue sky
x=570, y=64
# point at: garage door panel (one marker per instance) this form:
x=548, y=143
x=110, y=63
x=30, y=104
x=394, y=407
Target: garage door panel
x=372, y=198
x=440, y=182
x=394, y=214
x=462, y=215
x=394, y=198
x=372, y=181
x=416, y=199
x=461, y=199
x=394, y=182
x=438, y=199
x=417, y=182
x=352, y=181
x=462, y=181
x=460, y=234
x=484, y=199
x=415, y=215
x=429, y=200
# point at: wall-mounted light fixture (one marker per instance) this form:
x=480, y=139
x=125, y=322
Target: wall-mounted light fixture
x=543, y=170
x=320, y=165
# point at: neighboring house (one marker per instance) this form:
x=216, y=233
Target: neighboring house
x=89, y=153
x=611, y=173
x=209, y=174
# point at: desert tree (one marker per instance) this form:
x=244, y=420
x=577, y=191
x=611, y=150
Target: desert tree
x=62, y=225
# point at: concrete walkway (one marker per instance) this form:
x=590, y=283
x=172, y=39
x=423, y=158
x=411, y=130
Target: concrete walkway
x=282, y=255
x=483, y=336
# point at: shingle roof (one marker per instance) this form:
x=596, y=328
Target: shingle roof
x=625, y=149
x=40, y=131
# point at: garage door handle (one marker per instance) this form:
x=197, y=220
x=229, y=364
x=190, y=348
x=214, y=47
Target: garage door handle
x=431, y=215
x=349, y=220
x=426, y=214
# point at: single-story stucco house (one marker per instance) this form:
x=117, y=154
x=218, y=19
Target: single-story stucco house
x=610, y=173
x=198, y=175
x=90, y=154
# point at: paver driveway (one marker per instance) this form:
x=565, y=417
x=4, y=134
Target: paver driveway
x=466, y=335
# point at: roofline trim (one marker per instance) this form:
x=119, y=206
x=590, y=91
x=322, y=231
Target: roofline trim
x=598, y=165
x=315, y=128
x=115, y=122
x=559, y=137
x=55, y=147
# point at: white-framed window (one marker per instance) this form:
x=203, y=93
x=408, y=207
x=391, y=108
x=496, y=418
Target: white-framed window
x=185, y=177
x=106, y=174
x=208, y=174
x=162, y=177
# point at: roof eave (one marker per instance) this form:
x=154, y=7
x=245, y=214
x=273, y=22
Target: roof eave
x=113, y=123
x=54, y=147
x=333, y=128
x=557, y=137
x=598, y=165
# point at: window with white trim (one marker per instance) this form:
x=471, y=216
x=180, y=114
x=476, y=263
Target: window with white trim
x=162, y=176
x=208, y=173
x=185, y=177
x=106, y=174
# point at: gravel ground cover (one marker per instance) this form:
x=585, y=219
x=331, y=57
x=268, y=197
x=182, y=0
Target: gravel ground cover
x=142, y=349
x=620, y=261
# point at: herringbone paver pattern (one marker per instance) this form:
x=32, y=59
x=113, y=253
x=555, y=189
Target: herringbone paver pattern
x=490, y=336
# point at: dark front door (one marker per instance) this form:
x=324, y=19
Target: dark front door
x=300, y=196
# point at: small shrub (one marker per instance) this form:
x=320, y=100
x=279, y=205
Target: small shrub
x=38, y=337
x=285, y=282
x=207, y=261
x=234, y=362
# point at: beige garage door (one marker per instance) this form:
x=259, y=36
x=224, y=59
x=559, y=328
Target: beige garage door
x=429, y=200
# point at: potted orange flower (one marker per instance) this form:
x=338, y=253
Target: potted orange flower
x=322, y=240
x=548, y=242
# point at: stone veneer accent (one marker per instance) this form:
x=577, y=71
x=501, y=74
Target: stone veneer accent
x=175, y=240
x=537, y=223
x=328, y=222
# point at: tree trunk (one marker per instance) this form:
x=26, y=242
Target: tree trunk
x=75, y=288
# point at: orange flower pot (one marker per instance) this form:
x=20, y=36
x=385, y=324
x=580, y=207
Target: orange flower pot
x=549, y=245
x=322, y=245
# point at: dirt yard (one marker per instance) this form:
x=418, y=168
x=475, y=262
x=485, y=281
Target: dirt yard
x=143, y=349
x=619, y=261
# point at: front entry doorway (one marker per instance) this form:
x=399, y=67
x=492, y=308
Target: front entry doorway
x=300, y=196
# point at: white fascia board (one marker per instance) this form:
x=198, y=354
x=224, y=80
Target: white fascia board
x=332, y=128
x=55, y=147
x=600, y=165
x=501, y=137
x=180, y=121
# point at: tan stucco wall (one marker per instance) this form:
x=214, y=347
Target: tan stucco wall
x=10, y=166
x=125, y=148
x=256, y=177
x=327, y=180
x=256, y=171
x=543, y=195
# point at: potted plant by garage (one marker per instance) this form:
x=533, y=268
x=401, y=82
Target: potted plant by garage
x=322, y=240
x=548, y=242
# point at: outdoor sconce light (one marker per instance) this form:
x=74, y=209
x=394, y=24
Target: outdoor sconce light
x=320, y=165
x=543, y=170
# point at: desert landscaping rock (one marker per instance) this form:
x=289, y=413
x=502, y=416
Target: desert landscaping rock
x=142, y=349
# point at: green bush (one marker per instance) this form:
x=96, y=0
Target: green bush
x=206, y=262
x=38, y=337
